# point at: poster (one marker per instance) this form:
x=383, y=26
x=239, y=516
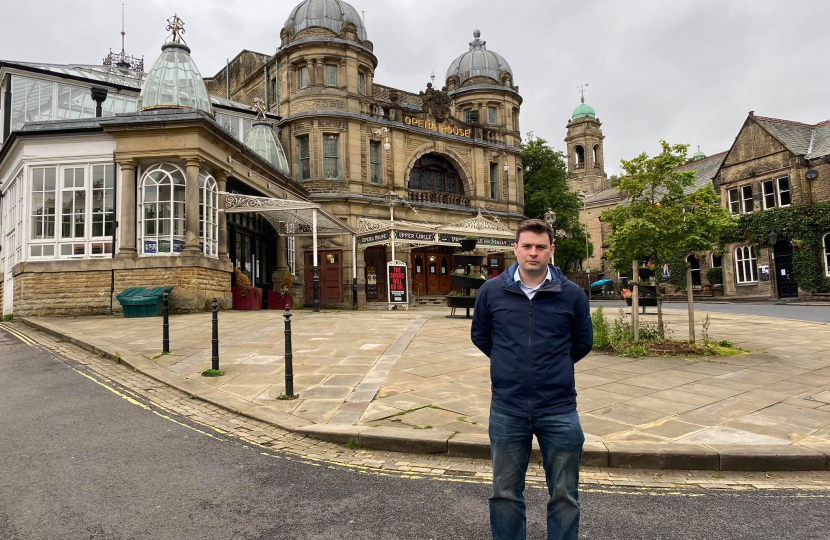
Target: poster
x=763, y=271
x=398, y=286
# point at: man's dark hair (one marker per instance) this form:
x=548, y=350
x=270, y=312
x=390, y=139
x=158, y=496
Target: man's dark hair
x=535, y=226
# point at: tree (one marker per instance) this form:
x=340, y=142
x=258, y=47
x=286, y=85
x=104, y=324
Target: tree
x=663, y=215
x=546, y=186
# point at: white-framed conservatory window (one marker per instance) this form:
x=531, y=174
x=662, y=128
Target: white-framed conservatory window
x=44, y=186
x=103, y=209
x=291, y=246
x=826, y=242
x=746, y=267
x=73, y=212
x=208, y=215
x=162, y=221
x=12, y=207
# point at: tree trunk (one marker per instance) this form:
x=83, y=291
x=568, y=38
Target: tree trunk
x=691, y=297
x=635, y=301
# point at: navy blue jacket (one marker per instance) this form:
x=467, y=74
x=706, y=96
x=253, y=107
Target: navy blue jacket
x=532, y=344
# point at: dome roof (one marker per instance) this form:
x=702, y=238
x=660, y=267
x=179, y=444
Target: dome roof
x=698, y=155
x=174, y=81
x=479, y=62
x=584, y=111
x=329, y=14
x=261, y=140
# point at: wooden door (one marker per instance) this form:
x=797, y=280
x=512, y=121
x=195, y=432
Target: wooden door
x=445, y=270
x=375, y=274
x=419, y=273
x=330, y=271
x=433, y=268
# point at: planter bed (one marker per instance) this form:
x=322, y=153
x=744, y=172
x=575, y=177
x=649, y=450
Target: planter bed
x=467, y=282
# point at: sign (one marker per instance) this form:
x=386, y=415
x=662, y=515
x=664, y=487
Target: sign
x=149, y=246
x=764, y=273
x=482, y=241
x=372, y=238
x=440, y=128
x=398, y=286
x=415, y=235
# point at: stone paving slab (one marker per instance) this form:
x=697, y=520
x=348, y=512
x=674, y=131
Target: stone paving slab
x=364, y=372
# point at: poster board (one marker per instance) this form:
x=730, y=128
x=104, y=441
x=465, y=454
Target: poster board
x=397, y=273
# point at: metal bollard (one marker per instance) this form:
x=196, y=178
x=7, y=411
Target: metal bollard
x=214, y=358
x=165, y=333
x=289, y=357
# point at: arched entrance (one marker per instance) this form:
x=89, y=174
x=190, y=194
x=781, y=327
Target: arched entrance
x=434, y=173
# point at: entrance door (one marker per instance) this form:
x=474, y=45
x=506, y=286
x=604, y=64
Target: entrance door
x=694, y=262
x=419, y=281
x=330, y=271
x=445, y=270
x=787, y=287
x=375, y=274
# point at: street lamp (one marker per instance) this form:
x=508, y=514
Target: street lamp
x=392, y=199
x=550, y=219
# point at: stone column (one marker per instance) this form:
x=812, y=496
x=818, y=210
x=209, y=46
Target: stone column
x=222, y=184
x=191, y=209
x=126, y=221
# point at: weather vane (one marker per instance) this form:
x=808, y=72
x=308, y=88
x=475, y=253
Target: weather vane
x=582, y=91
x=176, y=26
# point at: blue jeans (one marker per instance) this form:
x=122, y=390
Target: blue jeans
x=560, y=440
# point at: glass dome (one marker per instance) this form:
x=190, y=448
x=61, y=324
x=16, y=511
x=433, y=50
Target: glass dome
x=174, y=81
x=261, y=140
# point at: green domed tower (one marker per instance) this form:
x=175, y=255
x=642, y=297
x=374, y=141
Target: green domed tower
x=585, y=153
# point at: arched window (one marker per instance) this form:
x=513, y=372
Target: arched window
x=596, y=156
x=161, y=221
x=694, y=262
x=827, y=254
x=208, y=214
x=580, y=157
x=746, y=268
x=434, y=173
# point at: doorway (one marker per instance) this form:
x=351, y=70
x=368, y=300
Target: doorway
x=431, y=272
x=330, y=271
x=375, y=274
x=694, y=263
x=784, y=280
x=252, y=248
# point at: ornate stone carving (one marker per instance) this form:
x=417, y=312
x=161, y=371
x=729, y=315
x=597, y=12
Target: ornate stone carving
x=436, y=102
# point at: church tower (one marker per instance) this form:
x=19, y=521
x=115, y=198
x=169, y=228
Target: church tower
x=585, y=153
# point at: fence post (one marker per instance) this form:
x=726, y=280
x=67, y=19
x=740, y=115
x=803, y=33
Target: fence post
x=635, y=301
x=214, y=358
x=289, y=357
x=165, y=333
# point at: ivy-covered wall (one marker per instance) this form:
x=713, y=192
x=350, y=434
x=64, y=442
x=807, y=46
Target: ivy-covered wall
x=804, y=227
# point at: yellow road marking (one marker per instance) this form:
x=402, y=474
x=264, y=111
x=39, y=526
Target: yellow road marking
x=18, y=335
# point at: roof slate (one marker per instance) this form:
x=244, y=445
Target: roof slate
x=810, y=141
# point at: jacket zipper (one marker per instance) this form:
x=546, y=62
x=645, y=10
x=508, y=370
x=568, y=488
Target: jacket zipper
x=529, y=357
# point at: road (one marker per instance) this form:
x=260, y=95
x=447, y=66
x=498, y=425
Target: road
x=81, y=461
x=813, y=313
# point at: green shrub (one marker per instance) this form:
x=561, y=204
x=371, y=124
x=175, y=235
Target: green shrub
x=715, y=276
x=602, y=331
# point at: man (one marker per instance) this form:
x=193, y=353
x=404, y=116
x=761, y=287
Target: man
x=534, y=324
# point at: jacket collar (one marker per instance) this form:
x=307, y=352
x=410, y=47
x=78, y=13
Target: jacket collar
x=554, y=285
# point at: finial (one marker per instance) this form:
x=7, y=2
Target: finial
x=476, y=33
x=432, y=76
x=582, y=91
x=176, y=26
x=259, y=105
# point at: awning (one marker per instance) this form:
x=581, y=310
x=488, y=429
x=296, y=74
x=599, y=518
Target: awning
x=492, y=235
x=298, y=216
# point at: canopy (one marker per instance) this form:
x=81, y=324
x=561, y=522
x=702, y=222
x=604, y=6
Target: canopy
x=298, y=216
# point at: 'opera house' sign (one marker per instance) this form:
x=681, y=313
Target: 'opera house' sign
x=440, y=128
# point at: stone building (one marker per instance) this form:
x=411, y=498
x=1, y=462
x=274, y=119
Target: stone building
x=113, y=177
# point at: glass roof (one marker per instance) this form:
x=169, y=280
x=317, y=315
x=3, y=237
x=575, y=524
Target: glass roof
x=261, y=140
x=174, y=81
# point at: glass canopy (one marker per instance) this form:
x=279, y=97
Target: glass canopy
x=261, y=140
x=174, y=81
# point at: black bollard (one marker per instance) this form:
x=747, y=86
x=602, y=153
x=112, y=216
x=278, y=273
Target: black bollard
x=354, y=292
x=165, y=332
x=316, y=280
x=214, y=358
x=289, y=357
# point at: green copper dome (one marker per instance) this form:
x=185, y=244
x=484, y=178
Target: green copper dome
x=261, y=140
x=698, y=155
x=584, y=111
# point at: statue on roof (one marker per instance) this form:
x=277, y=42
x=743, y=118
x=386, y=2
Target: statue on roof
x=436, y=103
x=176, y=26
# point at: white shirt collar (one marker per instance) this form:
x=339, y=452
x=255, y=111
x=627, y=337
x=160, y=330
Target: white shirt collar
x=518, y=279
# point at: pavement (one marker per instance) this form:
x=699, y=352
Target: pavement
x=93, y=449
x=414, y=382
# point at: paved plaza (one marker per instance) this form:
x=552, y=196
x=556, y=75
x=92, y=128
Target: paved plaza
x=418, y=370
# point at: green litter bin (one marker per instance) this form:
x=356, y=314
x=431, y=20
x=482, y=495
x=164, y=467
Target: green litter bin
x=142, y=301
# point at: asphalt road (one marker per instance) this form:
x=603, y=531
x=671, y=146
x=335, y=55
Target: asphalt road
x=79, y=461
x=813, y=313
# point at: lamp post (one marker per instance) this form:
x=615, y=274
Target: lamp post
x=392, y=199
x=550, y=219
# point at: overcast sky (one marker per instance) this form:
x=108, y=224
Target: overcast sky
x=681, y=70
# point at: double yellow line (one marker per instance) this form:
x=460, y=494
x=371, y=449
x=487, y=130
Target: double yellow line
x=19, y=335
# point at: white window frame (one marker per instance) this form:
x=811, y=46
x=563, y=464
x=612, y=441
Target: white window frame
x=238, y=126
x=746, y=260
x=712, y=261
x=467, y=113
x=12, y=209
x=744, y=198
x=765, y=194
x=291, y=247
x=493, y=116
x=208, y=215
x=33, y=218
x=327, y=157
x=331, y=69
x=71, y=241
x=105, y=217
x=304, y=157
x=171, y=172
x=302, y=78
x=375, y=163
x=826, y=244
x=788, y=191
x=734, y=202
